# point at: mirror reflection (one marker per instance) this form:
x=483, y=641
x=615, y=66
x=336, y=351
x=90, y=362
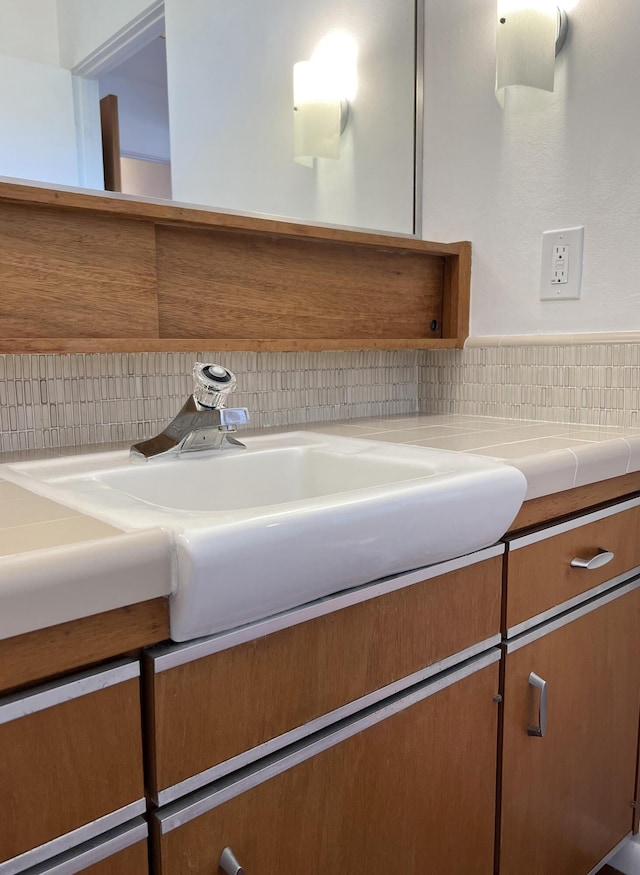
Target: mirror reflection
x=194, y=101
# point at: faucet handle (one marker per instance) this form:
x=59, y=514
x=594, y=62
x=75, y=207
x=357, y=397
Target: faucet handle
x=212, y=384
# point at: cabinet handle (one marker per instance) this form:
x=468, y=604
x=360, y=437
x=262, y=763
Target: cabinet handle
x=601, y=558
x=539, y=730
x=229, y=863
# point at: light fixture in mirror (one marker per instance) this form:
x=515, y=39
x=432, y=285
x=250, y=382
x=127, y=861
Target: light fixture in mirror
x=322, y=89
x=529, y=35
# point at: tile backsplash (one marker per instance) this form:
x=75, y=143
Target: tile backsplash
x=75, y=400
x=596, y=383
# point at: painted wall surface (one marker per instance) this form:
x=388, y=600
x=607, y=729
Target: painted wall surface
x=29, y=30
x=230, y=104
x=143, y=115
x=37, y=134
x=85, y=25
x=501, y=177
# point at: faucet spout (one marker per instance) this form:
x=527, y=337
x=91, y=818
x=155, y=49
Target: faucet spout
x=199, y=426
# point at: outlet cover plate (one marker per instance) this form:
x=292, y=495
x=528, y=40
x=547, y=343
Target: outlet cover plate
x=550, y=288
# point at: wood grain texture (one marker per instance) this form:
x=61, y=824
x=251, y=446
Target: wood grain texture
x=166, y=213
x=540, y=576
x=62, y=273
x=110, y=124
x=456, y=295
x=80, y=276
x=284, y=680
x=266, y=288
x=45, y=653
x=69, y=345
x=391, y=799
x=566, y=797
x=559, y=504
x=69, y=765
x=133, y=860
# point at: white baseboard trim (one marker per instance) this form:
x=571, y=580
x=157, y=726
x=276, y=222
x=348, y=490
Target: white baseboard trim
x=552, y=339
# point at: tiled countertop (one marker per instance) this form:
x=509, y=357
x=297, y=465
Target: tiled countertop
x=58, y=565
x=44, y=545
x=552, y=456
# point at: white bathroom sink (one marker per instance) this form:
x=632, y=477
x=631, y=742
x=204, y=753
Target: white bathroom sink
x=293, y=518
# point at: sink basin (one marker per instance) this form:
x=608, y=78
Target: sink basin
x=295, y=517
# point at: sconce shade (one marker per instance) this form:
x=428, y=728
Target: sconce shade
x=525, y=44
x=318, y=113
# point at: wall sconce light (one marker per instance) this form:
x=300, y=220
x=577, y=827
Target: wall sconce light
x=322, y=89
x=320, y=113
x=529, y=35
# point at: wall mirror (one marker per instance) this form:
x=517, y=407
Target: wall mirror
x=226, y=73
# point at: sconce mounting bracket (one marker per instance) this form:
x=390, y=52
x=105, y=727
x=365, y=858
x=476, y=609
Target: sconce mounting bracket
x=344, y=114
x=563, y=27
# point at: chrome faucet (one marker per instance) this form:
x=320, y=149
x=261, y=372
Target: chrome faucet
x=204, y=423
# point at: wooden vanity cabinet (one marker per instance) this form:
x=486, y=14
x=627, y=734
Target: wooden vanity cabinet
x=408, y=786
x=566, y=796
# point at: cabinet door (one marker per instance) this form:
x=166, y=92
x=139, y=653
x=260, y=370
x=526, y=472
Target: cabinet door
x=566, y=796
x=412, y=793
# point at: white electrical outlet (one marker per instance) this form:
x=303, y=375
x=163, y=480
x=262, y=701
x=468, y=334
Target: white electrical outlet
x=561, y=276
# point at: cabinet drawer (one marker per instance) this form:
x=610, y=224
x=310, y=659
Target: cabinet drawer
x=386, y=793
x=71, y=767
x=539, y=571
x=256, y=696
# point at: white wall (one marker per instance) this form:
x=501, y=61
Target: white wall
x=29, y=30
x=85, y=25
x=500, y=177
x=37, y=134
x=230, y=104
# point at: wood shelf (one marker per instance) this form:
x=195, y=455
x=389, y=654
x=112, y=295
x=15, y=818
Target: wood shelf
x=92, y=273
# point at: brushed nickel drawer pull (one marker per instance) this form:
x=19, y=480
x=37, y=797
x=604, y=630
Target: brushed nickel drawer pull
x=601, y=558
x=229, y=863
x=540, y=729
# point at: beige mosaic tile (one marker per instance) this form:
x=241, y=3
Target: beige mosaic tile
x=48, y=402
x=51, y=402
x=591, y=383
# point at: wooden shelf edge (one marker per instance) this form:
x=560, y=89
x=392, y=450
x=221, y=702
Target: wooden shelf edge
x=87, y=345
x=194, y=217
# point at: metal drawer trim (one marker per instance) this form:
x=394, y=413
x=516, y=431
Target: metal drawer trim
x=518, y=542
x=71, y=839
x=56, y=692
x=189, y=785
x=94, y=852
x=579, y=599
x=166, y=657
x=179, y=813
x=569, y=616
